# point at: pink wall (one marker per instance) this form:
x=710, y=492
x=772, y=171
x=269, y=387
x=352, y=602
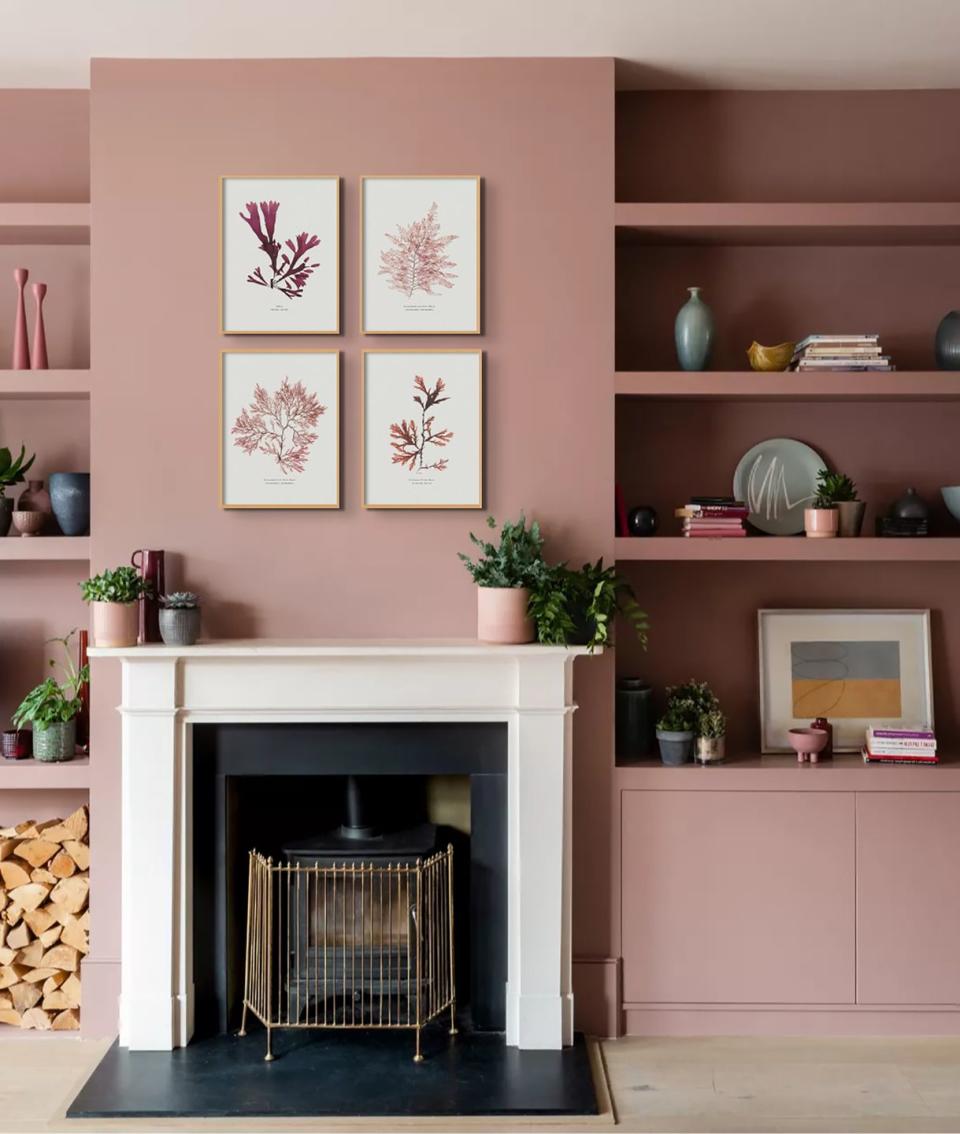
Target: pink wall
x=540, y=132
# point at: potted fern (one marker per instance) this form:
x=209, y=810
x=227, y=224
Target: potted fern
x=52, y=708
x=579, y=607
x=12, y=471
x=113, y=598
x=821, y=520
x=179, y=618
x=505, y=573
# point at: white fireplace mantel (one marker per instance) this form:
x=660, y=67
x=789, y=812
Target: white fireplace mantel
x=166, y=690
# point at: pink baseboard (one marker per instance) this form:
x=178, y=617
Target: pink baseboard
x=596, y=996
x=100, y=1015
x=756, y=1020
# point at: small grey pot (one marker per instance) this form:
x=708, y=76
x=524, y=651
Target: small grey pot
x=56, y=743
x=851, y=517
x=675, y=747
x=180, y=627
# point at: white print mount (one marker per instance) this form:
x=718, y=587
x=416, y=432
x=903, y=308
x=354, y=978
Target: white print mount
x=166, y=690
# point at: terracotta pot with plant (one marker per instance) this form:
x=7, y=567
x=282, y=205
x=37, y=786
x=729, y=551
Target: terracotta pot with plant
x=578, y=608
x=113, y=599
x=821, y=520
x=52, y=709
x=505, y=573
x=179, y=618
x=12, y=471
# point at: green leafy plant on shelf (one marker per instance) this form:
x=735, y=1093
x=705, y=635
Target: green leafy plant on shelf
x=122, y=585
x=712, y=725
x=14, y=471
x=834, y=488
x=54, y=702
x=516, y=560
x=579, y=607
x=694, y=704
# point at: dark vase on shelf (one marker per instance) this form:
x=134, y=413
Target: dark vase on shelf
x=946, y=344
x=642, y=521
x=910, y=507
x=6, y=514
x=150, y=564
x=70, y=499
x=635, y=718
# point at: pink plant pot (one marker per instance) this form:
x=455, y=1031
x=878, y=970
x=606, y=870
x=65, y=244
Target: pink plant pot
x=808, y=742
x=502, y=615
x=821, y=523
x=115, y=624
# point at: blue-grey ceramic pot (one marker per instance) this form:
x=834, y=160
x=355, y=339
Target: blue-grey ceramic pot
x=947, y=343
x=70, y=500
x=693, y=332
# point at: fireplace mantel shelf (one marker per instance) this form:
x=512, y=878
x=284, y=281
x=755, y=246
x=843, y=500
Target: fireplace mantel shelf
x=337, y=647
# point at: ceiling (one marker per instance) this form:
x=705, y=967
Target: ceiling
x=734, y=44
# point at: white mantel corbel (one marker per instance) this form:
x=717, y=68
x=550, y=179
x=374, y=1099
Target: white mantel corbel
x=168, y=689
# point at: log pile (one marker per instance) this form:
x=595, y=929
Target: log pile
x=44, y=921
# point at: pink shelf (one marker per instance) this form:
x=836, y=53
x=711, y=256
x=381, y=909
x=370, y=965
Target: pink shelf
x=789, y=223
x=31, y=774
x=747, y=385
x=766, y=549
x=32, y=385
x=24, y=223
x=45, y=548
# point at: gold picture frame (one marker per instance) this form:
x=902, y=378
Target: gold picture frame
x=476, y=328
x=338, y=426
x=336, y=328
x=474, y=504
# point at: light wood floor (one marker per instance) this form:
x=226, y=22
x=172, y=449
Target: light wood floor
x=718, y=1084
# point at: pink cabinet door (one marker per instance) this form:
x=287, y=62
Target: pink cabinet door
x=738, y=897
x=908, y=897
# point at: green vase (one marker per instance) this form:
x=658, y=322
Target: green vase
x=693, y=332
x=55, y=743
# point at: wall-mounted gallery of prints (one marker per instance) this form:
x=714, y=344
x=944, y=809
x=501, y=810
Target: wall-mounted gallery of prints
x=423, y=429
x=280, y=255
x=280, y=429
x=420, y=255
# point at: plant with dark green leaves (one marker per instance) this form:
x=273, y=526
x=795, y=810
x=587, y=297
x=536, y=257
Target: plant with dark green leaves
x=680, y=715
x=180, y=600
x=14, y=471
x=122, y=585
x=52, y=701
x=712, y=725
x=516, y=561
x=693, y=702
x=579, y=607
x=834, y=488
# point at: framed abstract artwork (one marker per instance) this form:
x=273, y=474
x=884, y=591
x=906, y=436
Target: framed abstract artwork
x=420, y=255
x=280, y=255
x=280, y=429
x=422, y=429
x=854, y=667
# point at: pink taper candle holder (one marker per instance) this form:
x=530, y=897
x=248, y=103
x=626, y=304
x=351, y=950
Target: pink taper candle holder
x=21, y=345
x=39, y=355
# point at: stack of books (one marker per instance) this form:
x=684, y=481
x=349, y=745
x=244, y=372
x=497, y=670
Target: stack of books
x=840, y=352
x=717, y=517
x=916, y=744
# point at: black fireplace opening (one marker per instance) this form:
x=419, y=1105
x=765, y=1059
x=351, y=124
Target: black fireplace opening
x=335, y=794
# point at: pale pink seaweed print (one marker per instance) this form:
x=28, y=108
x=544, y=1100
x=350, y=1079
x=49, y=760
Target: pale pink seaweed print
x=417, y=259
x=280, y=425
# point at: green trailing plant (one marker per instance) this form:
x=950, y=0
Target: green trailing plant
x=13, y=471
x=580, y=606
x=180, y=600
x=122, y=585
x=515, y=561
x=834, y=488
x=713, y=725
x=691, y=704
x=52, y=701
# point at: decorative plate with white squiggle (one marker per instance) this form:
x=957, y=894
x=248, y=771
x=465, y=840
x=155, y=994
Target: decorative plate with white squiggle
x=778, y=479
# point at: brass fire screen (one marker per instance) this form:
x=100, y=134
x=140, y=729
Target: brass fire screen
x=351, y=946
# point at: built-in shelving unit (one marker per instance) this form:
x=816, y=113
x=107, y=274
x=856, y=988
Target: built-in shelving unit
x=44, y=223
x=748, y=385
x=31, y=385
x=37, y=549
x=30, y=775
x=788, y=549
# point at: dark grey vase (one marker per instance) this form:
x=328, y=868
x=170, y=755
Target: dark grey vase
x=947, y=342
x=693, y=332
x=70, y=500
x=6, y=514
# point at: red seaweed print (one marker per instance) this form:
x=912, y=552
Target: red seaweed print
x=279, y=425
x=289, y=270
x=417, y=259
x=409, y=441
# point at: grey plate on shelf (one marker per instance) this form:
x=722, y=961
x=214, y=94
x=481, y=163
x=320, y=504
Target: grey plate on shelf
x=777, y=479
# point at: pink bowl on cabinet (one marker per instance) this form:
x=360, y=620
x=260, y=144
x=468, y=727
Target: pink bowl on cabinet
x=808, y=741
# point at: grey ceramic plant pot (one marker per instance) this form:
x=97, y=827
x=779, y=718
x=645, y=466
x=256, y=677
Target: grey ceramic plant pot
x=56, y=743
x=851, y=517
x=180, y=627
x=675, y=747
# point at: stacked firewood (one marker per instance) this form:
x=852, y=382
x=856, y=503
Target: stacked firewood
x=44, y=921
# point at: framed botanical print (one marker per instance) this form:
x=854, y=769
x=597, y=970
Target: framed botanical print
x=280, y=429
x=854, y=667
x=420, y=255
x=423, y=429
x=280, y=255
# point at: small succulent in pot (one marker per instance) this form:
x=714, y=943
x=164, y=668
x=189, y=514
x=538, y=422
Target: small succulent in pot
x=179, y=618
x=12, y=471
x=113, y=597
x=821, y=520
x=711, y=738
x=840, y=491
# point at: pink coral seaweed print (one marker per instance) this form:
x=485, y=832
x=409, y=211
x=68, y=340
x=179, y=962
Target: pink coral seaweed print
x=410, y=442
x=288, y=271
x=416, y=259
x=280, y=425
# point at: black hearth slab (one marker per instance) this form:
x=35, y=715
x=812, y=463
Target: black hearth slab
x=340, y=1074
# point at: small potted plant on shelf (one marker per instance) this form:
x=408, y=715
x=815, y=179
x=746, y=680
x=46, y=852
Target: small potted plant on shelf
x=113, y=597
x=579, y=607
x=179, y=618
x=505, y=573
x=850, y=508
x=12, y=471
x=820, y=521
x=52, y=709
x=687, y=707
x=711, y=738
